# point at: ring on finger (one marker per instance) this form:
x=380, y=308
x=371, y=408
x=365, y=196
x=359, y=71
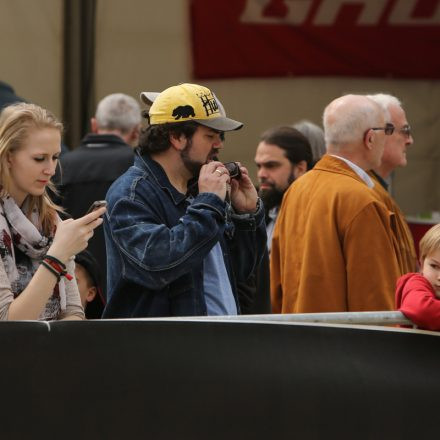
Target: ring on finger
x=219, y=172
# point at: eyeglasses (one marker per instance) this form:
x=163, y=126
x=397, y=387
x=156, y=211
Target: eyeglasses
x=388, y=129
x=405, y=130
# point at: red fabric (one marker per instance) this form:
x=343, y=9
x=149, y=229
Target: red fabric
x=418, y=230
x=415, y=298
x=263, y=38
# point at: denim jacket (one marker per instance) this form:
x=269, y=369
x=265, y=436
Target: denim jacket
x=156, y=243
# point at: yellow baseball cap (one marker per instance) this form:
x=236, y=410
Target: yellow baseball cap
x=188, y=102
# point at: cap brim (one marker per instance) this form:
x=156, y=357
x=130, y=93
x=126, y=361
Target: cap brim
x=220, y=124
x=149, y=97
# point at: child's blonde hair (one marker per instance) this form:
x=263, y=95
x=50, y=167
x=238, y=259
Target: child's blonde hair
x=430, y=242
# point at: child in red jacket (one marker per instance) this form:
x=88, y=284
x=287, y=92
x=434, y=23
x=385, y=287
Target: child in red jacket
x=418, y=295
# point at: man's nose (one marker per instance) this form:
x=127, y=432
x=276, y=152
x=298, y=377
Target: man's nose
x=261, y=174
x=218, y=142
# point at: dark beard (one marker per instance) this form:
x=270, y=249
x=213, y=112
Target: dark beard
x=192, y=166
x=271, y=198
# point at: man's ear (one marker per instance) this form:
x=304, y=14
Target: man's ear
x=94, y=125
x=91, y=293
x=133, y=136
x=300, y=168
x=369, y=139
x=179, y=143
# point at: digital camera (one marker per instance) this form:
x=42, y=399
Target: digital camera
x=233, y=169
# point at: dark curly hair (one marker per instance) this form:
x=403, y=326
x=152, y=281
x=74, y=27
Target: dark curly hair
x=156, y=138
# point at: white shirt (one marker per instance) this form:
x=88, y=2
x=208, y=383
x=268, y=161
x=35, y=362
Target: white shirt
x=273, y=214
x=359, y=171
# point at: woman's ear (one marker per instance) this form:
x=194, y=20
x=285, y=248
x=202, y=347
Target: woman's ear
x=8, y=160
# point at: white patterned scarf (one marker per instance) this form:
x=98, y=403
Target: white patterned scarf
x=22, y=247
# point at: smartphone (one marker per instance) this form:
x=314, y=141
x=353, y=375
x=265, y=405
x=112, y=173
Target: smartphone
x=96, y=205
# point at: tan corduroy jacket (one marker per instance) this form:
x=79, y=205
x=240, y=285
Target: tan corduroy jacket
x=403, y=239
x=333, y=247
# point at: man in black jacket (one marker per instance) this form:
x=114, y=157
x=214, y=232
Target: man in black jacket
x=104, y=154
x=7, y=95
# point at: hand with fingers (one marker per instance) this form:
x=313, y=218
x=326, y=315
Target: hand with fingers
x=244, y=196
x=72, y=236
x=214, y=178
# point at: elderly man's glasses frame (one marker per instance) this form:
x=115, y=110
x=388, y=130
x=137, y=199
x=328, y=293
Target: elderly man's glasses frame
x=389, y=129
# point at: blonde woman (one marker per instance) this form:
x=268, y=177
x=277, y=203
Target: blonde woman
x=36, y=247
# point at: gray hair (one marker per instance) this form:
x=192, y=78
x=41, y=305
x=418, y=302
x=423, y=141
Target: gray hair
x=118, y=112
x=385, y=101
x=347, y=118
x=315, y=135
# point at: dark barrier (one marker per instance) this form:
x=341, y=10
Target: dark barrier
x=216, y=380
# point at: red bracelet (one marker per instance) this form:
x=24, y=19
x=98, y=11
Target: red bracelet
x=58, y=266
x=52, y=270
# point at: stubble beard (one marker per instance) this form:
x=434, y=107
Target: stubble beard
x=191, y=165
x=194, y=166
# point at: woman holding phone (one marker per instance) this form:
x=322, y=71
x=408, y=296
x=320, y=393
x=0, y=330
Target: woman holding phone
x=36, y=248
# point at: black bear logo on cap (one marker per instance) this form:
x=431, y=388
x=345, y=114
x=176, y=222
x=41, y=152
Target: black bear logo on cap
x=183, y=111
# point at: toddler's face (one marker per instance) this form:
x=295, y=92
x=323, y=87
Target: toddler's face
x=431, y=270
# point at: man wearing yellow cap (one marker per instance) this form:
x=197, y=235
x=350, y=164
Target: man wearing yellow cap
x=181, y=227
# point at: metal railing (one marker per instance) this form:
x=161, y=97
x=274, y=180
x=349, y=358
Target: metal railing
x=354, y=318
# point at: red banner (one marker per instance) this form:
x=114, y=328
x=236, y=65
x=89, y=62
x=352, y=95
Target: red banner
x=262, y=38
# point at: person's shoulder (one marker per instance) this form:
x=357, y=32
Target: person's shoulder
x=72, y=155
x=408, y=276
x=122, y=152
x=134, y=180
x=413, y=280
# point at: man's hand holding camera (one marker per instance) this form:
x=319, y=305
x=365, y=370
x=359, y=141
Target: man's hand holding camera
x=216, y=178
x=243, y=193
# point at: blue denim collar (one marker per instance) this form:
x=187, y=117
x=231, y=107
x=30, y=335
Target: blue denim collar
x=155, y=170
